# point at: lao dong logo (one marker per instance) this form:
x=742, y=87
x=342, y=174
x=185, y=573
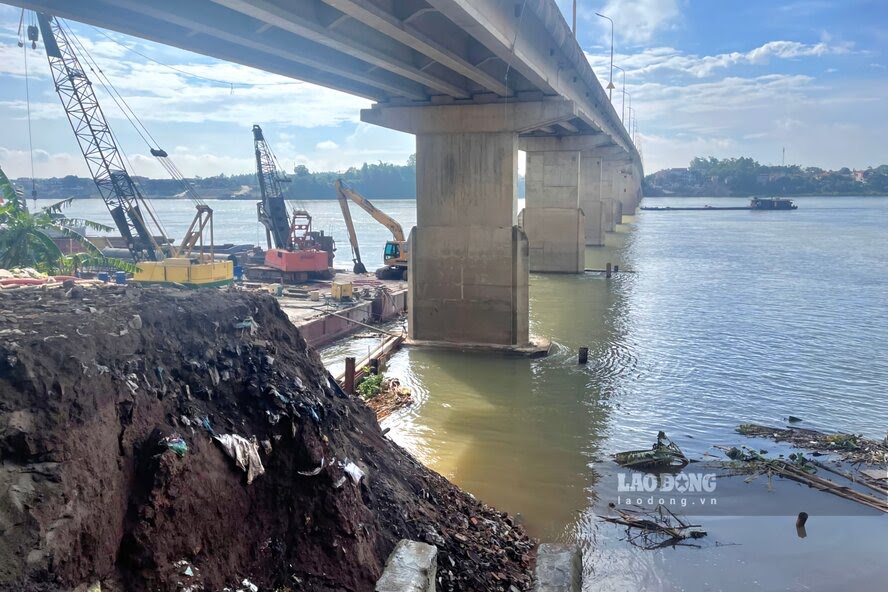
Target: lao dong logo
x=666, y=483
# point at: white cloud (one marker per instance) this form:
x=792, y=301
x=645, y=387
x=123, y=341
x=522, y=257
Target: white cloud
x=174, y=94
x=635, y=21
x=806, y=7
x=757, y=116
x=327, y=145
x=659, y=59
x=17, y=163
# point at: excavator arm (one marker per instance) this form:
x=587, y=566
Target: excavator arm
x=345, y=193
x=395, y=254
x=350, y=225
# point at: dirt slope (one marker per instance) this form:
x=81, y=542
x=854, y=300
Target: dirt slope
x=95, y=387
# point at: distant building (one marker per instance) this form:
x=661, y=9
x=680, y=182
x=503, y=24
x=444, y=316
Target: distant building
x=859, y=176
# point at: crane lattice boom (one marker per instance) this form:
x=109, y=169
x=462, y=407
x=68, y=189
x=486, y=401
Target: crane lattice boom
x=273, y=208
x=97, y=142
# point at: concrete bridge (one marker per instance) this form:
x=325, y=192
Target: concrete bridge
x=476, y=81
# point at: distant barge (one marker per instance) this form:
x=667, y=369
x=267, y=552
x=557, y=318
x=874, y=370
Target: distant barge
x=756, y=203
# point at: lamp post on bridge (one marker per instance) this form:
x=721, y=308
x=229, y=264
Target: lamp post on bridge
x=575, y=18
x=629, y=126
x=629, y=129
x=623, y=112
x=610, y=83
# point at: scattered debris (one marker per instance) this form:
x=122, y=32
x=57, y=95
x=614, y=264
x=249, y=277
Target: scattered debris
x=850, y=447
x=245, y=454
x=664, y=455
x=248, y=324
x=176, y=444
x=354, y=471
x=658, y=528
x=876, y=474
x=390, y=397
x=802, y=469
x=313, y=472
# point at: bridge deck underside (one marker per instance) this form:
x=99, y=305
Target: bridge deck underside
x=389, y=51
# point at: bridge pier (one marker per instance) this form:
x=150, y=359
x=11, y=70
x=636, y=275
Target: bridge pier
x=554, y=222
x=563, y=173
x=468, y=260
x=627, y=188
x=468, y=270
x=590, y=197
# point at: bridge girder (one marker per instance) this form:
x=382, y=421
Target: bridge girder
x=392, y=52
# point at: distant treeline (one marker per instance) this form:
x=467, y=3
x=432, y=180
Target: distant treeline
x=383, y=180
x=376, y=181
x=744, y=177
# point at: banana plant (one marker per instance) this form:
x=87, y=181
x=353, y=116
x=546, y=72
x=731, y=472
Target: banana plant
x=25, y=239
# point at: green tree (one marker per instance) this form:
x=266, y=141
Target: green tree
x=25, y=239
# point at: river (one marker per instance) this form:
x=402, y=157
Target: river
x=726, y=317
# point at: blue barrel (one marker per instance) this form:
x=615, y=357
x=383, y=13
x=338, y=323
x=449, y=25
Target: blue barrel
x=120, y=277
x=238, y=273
x=103, y=276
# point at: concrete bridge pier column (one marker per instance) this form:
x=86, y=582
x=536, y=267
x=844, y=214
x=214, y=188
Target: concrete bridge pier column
x=610, y=206
x=468, y=266
x=468, y=270
x=552, y=219
x=590, y=197
x=611, y=194
x=627, y=188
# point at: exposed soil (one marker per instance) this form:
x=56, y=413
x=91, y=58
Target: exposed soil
x=97, y=383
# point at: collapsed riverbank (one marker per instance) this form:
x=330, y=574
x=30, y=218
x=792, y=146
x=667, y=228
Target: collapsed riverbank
x=124, y=413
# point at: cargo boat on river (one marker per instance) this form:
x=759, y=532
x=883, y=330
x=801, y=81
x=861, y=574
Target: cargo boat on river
x=756, y=204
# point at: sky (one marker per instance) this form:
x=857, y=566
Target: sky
x=704, y=77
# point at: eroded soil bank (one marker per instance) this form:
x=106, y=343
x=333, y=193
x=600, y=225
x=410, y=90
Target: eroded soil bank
x=102, y=389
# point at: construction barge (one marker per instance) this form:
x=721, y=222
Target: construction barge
x=764, y=204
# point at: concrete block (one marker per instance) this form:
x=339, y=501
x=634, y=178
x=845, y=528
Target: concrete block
x=468, y=285
x=607, y=215
x=556, y=239
x=617, y=212
x=559, y=568
x=552, y=179
x=563, y=171
x=410, y=568
x=594, y=230
x=466, y=176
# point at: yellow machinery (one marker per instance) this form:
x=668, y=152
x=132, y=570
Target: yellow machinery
x=193, y=263
x=340, y=291
x=395, y=253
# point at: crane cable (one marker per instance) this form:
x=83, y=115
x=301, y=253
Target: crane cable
x=136, y=122
x=105, y=83
x=28, y=107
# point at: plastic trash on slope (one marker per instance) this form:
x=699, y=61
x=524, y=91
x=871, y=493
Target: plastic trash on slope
x=245, y=454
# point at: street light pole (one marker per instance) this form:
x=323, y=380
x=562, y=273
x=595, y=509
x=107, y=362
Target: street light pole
x=575, y=19
x=623, y=112
x=635, y=131
x=610, y=83
x=629, y=127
